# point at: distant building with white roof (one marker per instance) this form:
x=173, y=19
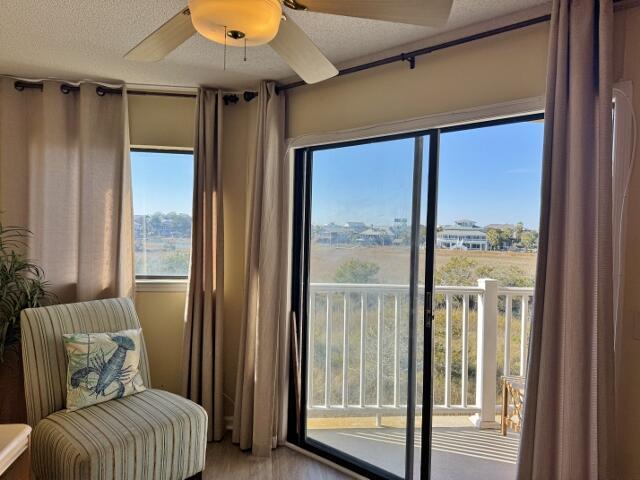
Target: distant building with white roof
x=462, y=235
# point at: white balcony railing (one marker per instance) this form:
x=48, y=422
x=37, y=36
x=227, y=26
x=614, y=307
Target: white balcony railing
x=370, y=322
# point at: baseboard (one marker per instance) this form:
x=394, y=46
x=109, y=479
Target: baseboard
x=323, y=460
x=228, y=425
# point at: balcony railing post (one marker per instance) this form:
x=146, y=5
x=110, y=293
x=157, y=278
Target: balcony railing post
x=486, y=365
x=312, y=346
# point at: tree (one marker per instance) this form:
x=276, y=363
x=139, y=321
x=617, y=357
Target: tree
x=357, y=271
x=463, y=271
x=529, y=239
x=506, y=275
x=517, y=232
x=458, y=271
x=176, y=263
x=494, y=238
x=507, y=233
x=156, y=222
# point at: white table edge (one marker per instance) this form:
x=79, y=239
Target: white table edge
x=14, y=445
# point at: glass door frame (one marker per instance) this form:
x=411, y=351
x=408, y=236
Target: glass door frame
x=303, y=168
x=300, y=275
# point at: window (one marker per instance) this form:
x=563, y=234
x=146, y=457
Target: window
x=162, y=206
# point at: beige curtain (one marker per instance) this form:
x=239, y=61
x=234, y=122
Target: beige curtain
x=65, y=175
x=259, y=420
x=568, y=430
x=203, y=374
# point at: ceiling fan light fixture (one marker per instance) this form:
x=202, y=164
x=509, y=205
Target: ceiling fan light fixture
x=258, y=20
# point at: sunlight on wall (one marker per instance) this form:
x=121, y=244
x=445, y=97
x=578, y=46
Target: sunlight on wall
x=161, y=315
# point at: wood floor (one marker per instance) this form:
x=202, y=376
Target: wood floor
x=226, y=461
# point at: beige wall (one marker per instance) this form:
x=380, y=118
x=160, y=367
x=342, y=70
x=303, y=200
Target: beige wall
x=161, y=121
x=161, y=316
x=507, y=67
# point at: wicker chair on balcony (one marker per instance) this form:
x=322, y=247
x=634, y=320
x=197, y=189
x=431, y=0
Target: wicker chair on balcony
x=152, y=435
x=513, y=388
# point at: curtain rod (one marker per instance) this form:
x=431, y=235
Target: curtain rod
x=161, y=94
x=229, y=98
x=65, y=88
x=410, y=57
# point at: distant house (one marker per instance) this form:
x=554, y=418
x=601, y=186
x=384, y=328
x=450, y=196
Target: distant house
x=376, y=236
x=332, y=234
x=166, y=228
x=462, y=235
x=400, y=225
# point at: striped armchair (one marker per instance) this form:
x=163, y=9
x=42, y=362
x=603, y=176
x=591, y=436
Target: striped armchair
x=152, y=435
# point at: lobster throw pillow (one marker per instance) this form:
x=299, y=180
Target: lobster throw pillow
x=102, y=366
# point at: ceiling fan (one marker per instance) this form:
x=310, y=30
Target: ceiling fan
x=242, y=23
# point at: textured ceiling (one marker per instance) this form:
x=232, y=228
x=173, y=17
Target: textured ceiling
x=86, y=39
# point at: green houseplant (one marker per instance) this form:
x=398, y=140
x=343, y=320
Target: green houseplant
x=22, y=285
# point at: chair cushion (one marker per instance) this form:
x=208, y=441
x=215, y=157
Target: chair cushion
x=152, y=435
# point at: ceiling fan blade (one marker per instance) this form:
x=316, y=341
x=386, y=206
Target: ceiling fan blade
x=297, y=49
x=429, y=13
x=164, y=40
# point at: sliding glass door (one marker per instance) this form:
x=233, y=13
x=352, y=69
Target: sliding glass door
x=488, y=211
x=362, y=294
x=399, y=377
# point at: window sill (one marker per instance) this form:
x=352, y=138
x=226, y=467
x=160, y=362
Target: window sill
x=168, y=285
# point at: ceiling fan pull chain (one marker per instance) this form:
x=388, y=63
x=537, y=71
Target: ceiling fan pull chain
x=245, y=49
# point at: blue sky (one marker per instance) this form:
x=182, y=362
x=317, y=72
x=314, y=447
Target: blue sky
x=491, y=175
x=161, y=182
